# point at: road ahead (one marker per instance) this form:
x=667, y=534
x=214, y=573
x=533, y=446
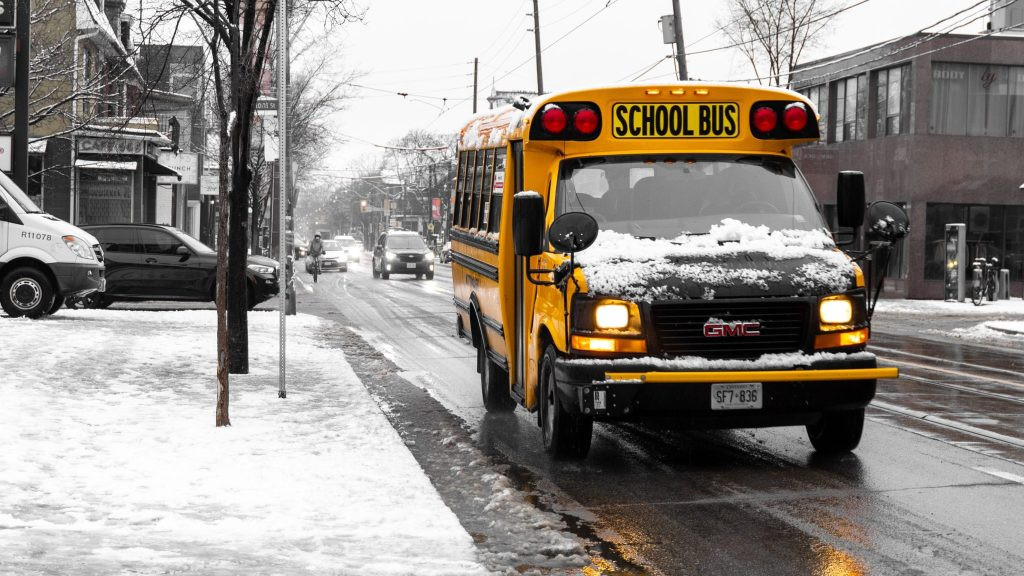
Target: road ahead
x=936, y=486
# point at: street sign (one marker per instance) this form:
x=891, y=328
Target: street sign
x=266, y=106
x=7, y=10
x=8, y=51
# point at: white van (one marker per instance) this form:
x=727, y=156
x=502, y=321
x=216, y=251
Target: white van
x=43, y=259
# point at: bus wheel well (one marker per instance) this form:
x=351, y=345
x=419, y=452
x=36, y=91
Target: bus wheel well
x=544, y=339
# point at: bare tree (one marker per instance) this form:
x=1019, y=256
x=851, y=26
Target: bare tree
x=238, y=34
x=773, y=34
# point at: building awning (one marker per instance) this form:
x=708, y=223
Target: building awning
x=152, y=166
x=105, y=165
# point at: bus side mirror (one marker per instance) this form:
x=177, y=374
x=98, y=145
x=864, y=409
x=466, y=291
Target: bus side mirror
x=887, y=222
x=528, y=223
x=850, y=199
x=573, y=232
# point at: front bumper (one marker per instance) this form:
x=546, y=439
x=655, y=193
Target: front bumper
x=265, y=285
x=612, y=391
x=327, y=264
x=397, y=267
x=79, y=279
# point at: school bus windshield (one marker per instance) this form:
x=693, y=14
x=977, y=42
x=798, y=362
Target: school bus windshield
x=670, y=195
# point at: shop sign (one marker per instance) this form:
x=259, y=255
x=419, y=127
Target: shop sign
x=6, y=156
x=209, y=184
x=184, y=163
x=111, y=146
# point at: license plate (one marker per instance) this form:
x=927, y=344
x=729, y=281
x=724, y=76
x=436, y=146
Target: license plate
x=736, y=396
x=410, y=265
x=676, y=120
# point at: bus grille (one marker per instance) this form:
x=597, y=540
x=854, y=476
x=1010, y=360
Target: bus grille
x=679, y=327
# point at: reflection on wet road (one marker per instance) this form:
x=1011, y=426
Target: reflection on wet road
x=936, y=486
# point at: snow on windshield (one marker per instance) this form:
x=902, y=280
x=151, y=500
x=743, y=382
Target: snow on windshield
x=638, y=268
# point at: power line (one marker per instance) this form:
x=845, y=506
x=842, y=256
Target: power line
x=607, y=5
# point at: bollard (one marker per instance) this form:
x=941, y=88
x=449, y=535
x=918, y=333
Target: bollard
x=1004, y=284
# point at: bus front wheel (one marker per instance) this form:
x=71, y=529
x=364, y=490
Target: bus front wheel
x=494, y=385
x=837, y=432
x=564, y=434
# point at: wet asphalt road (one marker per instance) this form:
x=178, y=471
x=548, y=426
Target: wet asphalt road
x=936, y=486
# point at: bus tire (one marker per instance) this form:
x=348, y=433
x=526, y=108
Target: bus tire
x=565, y=435
x=26, y=292
x=837, y=432
x=494, y=385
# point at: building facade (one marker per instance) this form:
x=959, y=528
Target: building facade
x=936, y=123
x=92, y=157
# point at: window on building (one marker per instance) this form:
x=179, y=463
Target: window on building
x=993, y=231
x=892, y=101
x=850, y=110
x=977, y=100
x=818, y=95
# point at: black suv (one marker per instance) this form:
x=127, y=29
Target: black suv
x=154, y=262
x=402, y=252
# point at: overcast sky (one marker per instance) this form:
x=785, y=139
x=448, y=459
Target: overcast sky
x=426, y=49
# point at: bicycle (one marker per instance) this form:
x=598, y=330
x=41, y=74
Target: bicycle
x=316, y=271
x=977, y=274
x=983, y=281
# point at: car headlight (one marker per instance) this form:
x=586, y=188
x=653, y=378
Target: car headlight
x=390, y=255
x=428, y=257
x=261, y=269
x=79, y=247
x=611, y=316
x=835, y=310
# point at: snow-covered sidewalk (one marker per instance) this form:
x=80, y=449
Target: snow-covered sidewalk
x=999, y=323
x=111, y=463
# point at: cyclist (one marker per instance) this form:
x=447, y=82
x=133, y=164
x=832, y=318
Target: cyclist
x=315, y=250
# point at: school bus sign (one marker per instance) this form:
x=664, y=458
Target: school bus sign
x=675, y=120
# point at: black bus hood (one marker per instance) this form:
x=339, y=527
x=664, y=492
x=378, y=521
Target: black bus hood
x=726, y=270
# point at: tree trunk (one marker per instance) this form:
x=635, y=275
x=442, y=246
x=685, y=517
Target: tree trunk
x=223, y=419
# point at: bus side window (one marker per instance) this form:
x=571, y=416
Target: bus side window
x=497, y=191
x=460, y=189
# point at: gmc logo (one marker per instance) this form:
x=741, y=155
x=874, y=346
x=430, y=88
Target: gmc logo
x=719, y=329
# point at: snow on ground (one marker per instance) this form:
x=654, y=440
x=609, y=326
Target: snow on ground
x=112, y=465
x=996, y=323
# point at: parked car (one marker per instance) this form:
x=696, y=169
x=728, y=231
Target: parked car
x=155, y=262
x=333, y=258
x=402, y=252
x=353, y=248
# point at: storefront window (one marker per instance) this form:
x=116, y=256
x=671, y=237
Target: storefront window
x=977, y=100
x=105, y=196
x=818, y=95
x=993, y=231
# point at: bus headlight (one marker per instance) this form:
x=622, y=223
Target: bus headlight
x=596, y=316
x=835, y=310
x=79, y=247
x=611, y=316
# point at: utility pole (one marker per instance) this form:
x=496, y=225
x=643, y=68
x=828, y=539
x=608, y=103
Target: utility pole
x=677, y=22
x=536, y=42
x=476, y=64
x=23, y=35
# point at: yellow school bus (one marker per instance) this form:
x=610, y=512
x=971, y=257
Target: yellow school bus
x=652, y=253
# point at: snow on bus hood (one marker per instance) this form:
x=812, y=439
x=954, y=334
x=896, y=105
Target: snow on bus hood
x=734, y=260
